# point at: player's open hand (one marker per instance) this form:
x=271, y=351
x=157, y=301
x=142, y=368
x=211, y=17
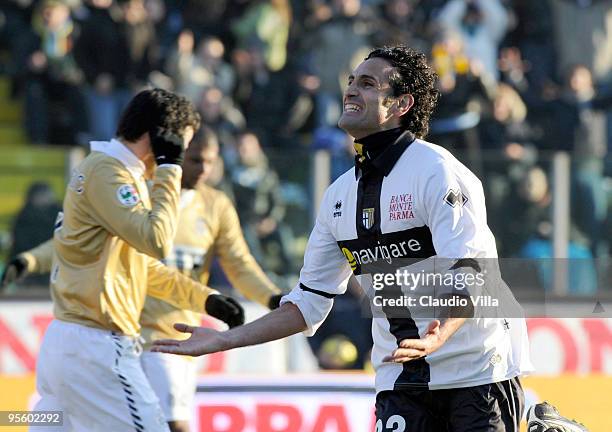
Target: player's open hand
x=413, y=349
x=202, y=341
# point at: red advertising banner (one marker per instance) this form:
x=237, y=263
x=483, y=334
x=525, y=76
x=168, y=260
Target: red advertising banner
x=558, y=345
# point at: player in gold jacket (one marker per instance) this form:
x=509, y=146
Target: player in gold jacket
x=107, y=245
x=208, y=226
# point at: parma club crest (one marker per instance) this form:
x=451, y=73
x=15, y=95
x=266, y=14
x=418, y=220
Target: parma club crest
x=367, y=218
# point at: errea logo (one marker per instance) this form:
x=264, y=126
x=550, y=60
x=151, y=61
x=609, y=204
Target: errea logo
x=455, y=197
x=338, y=209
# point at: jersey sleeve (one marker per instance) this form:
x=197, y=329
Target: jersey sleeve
x=39, y=259
x=150, y=231
x=170, y=285
x=324, y=275
x=238, y=264
x=454, y=210
x=456, y=216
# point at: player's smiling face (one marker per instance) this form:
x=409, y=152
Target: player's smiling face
x=368, y=103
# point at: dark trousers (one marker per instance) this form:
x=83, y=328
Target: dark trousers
x=496, y=407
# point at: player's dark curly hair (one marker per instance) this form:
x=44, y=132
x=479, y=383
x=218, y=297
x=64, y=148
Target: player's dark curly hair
x=414, y=76
x=154, y=108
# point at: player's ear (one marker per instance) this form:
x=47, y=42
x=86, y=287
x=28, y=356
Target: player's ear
x=404, y=103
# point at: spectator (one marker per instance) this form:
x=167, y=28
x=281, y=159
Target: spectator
x=260, y=206
x=482, y=24
x=402, y=22
x=336, y=46
x=508, y=137
x=192, y=72
x=531, y=55
x=579, y=120
x=301, y=102
x=583, y=35
x=103, y=54
x=211, y=60
x=278, y=92
x=267, y=22
x=138, y=30
x=209, y=17
x=180, y=63
x=34, y=224
x=462, y=92
x=15, y=20
x=507, y=124
x=580, y=268
x=219, y=113
x=53, y=97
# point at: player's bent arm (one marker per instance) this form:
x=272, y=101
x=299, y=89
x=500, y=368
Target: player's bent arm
x=280, y=323
x=39, y=259
x=150, y=231
x=455, y=235
x=170, y=285
x=435, y=336
x=236, y=260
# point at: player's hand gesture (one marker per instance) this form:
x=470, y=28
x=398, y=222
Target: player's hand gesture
x=167, y=147
x=202, y=341
x=413, y=349
x=14, y=271
x=225, y=309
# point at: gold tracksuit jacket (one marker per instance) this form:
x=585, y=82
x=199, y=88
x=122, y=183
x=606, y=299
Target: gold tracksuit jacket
x=208, y=227
x=110, y=239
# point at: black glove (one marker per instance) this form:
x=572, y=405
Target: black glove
x=14, y=270
x=167, y=147
x=226, y=309
x=274, y=301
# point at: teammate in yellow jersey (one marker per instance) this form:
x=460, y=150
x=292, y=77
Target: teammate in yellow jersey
x=107, y=247
x=208, y=226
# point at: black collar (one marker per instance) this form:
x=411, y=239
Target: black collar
x=392, y=142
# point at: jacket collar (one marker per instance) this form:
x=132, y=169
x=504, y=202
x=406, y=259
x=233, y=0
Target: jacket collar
x=385, y=161
x=116, y=149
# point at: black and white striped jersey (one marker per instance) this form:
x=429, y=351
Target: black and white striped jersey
x=418, y=202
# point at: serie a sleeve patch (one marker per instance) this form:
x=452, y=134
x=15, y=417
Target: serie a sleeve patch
x=128, y=195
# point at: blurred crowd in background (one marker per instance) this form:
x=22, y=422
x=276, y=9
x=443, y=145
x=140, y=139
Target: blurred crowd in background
x=520, y=79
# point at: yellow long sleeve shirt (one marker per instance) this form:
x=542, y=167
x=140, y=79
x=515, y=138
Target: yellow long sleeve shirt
x=109, y=239
x=208, y=227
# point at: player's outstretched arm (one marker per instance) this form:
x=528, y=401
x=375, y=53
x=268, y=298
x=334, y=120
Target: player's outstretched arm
x=34, y=261
x=280, y=323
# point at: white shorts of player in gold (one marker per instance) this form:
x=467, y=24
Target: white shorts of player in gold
x=173, y=379
x=95, y=377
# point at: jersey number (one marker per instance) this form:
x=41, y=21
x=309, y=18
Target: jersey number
x=395, y=423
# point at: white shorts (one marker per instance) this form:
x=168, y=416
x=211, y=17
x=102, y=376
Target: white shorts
x=95, y=378
x=173, y=379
